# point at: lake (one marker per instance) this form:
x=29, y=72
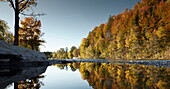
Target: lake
x=87, y=76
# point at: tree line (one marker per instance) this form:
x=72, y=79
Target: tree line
x=63, y=53
x=138, y=33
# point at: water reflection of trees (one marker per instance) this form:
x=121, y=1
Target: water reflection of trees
x=24, y=77
x=32, y=83
x=126, y=76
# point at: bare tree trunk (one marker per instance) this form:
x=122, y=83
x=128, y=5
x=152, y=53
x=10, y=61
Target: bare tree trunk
x=16, y=23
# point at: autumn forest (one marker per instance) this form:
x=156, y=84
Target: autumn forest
x=139, y=33
x=75, y=44
x=142, y=32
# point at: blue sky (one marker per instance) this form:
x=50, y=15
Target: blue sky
x=68, y=21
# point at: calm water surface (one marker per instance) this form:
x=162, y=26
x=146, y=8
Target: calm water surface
x=98, y=76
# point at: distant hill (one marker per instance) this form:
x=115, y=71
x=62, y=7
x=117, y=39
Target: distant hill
x=141, y=32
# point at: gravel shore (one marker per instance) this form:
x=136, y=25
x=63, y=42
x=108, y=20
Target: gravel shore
x=158, y=63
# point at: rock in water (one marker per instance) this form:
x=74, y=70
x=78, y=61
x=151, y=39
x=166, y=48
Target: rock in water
x=19, y=53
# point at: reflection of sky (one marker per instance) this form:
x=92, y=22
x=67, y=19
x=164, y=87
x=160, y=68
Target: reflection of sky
x=68, y=21
x=62, y=79
x=10, y=86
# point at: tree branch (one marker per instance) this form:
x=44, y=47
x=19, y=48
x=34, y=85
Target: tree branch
x=33, y=14
x=24, y=5
x=12, y=4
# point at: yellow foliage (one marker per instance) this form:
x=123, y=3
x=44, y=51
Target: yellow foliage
x=160, y=33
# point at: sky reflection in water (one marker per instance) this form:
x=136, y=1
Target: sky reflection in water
x=63, y=79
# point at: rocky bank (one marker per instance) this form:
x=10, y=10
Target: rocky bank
x=15, y=53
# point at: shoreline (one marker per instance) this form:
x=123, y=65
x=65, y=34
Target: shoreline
x=158, y=63
x=17, y=64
